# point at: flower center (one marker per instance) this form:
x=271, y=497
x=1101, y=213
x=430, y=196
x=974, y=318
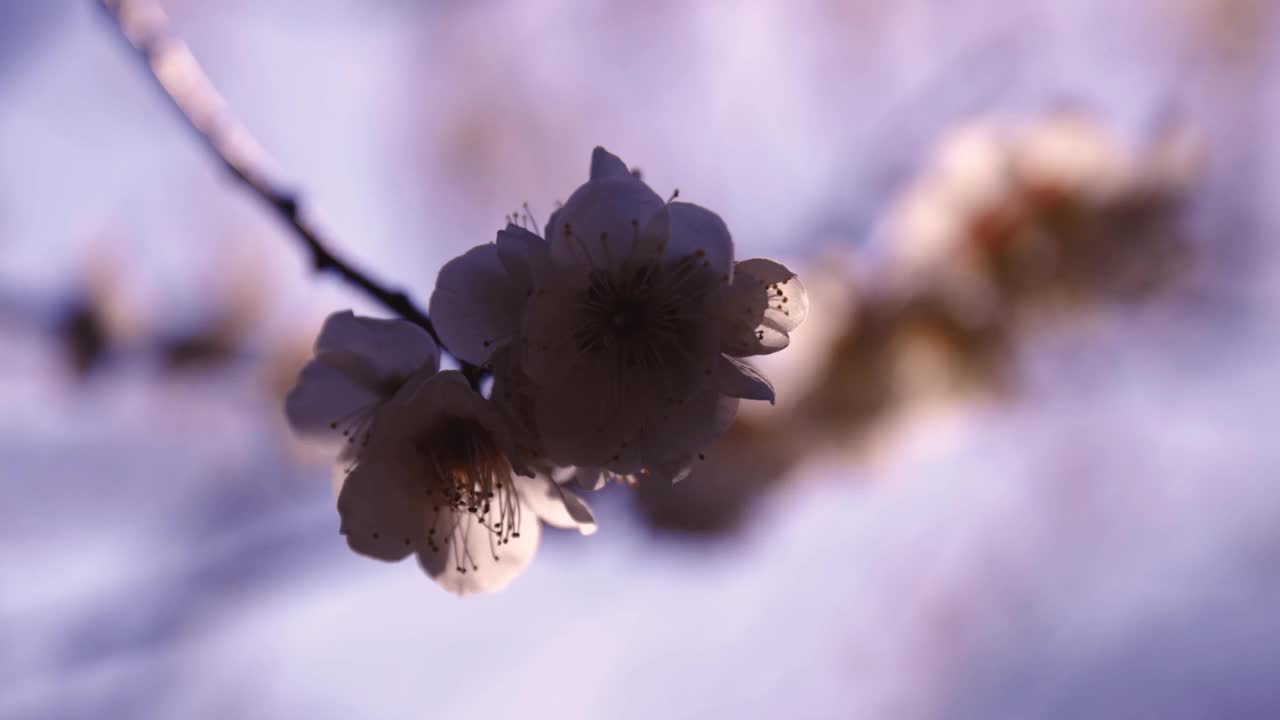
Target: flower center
x=467, y=479
x=644, y=315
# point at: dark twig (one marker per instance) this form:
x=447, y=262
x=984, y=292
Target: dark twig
x=144, y=25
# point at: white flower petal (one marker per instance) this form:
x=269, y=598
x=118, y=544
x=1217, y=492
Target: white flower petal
x=424, y=399
x=682, y=231
x=580, y=512
x=394, y=348
x=589, y=478
x=697, y=231
x=523, y=254
x=477, y=563
x=328, y=396
x=586, y=418
x=554, y=505
x=599, y=225
x=477, y=304
x=740, y=380
x=665, y=448
x=765, y=303
x=383, y=509
x=605, y=165
x=590, y=409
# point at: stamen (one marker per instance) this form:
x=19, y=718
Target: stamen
x=463, y=463
x=532, y=221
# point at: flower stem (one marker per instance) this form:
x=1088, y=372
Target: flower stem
x=144, y=25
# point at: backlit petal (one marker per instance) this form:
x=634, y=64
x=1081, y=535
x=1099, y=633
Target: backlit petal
x=698, y=232
x=523, y=254
x=765, y=303
x=605, y=165
x=471, y=560
x=382, y=506
x=599, y=225
x=666, y=446
x=586, y=418
x=326, y=397
x=554, y=505
x=477, y=304
x=740, y=380
x=421, y=401
x=394, y=348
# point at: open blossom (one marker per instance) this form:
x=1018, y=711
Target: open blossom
x=427, y=460
x=615, y=339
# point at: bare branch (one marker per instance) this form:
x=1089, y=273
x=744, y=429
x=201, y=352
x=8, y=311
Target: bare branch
x=145, y=26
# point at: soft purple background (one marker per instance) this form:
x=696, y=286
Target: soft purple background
x=1106, y=543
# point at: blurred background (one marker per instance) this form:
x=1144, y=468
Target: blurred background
x=1023, y=461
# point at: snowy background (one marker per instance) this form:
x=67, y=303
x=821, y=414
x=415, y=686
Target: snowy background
x=1103, y=542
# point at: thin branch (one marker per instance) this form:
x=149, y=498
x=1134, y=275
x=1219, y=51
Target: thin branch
x=145, y=26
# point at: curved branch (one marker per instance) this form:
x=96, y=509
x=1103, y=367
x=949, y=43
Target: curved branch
x=145, y=26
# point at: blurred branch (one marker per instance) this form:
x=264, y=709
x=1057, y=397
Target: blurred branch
x=145, y=26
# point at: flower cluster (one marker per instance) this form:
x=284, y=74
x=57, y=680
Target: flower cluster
x=615, y=343
x=1057, y=208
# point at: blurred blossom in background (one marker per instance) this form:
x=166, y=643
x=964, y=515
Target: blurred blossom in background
x=1022, y=463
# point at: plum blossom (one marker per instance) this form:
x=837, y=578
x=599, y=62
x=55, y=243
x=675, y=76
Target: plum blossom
x=426, y=466
x=1056, y=208
x=616, y=339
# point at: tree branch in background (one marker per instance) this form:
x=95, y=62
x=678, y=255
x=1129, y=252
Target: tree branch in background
x=145, y=26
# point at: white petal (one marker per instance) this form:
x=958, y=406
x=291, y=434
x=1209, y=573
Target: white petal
x=478, y=563
x=666, y=447
x=740, y=380
x=586, y=418
x=382, y=506
x=786, y=316
x=554, y=505
x=682, y=231
x=523, y=254
x=394, y=348
x=765, y=303
x=424, y=399
x=589, y=478
x=580, y=512
x=605, y=164
x=696, y=231
x=328, y=397
x=599, y=225
x=477, y=304
x=599, y=414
